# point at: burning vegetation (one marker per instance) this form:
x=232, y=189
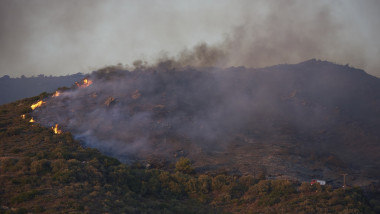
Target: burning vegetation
x=37, y=104
x=55, y=174
x=202, y=114
x=56, y=94
x=85, y=83
x=56, y=129
x=34, y=106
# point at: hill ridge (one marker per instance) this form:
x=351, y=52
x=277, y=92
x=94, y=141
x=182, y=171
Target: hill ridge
x=311, y=123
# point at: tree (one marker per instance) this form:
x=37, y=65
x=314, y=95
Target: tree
x=184, y=165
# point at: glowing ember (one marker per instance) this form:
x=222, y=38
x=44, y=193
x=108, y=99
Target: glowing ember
x=23, y=116
x=85, y=83
x=56, y=94
x=56, y=130
x=31, y=120
x=37, y=104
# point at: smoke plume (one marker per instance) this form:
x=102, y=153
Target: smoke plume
x=157, y=110
x=59, y=37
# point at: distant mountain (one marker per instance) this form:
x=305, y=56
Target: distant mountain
x=12, y=89
x=315, y=119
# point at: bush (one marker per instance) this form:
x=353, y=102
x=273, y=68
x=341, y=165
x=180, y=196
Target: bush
x=204, y=184
x=8, y=164
x=25, y=196
x=184, y=165
x=40, y=166
x=218, y=182
x=25, y=110
x=14, y=131
x=305, y=187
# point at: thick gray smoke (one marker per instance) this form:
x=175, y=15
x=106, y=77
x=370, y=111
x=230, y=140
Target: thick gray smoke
x=59, y=37
x=155, y=110
x=292, y=31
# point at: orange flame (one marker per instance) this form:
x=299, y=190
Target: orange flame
x=23, y=116
x=56, y=130
x=56, y=94
x=31, y=120
x=85, y=83
x=37, y=104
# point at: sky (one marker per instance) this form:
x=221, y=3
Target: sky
x=56, y=37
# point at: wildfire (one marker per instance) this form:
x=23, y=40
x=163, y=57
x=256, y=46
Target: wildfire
x=56, y=94
x=56, y=130
x=23, y=116
x=32, y=120
x=37, y=104
x=85, y=83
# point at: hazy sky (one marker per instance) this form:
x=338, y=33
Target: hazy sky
x=59, y=37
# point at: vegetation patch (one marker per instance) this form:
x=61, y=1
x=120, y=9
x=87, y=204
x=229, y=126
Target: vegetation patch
x=41, y=172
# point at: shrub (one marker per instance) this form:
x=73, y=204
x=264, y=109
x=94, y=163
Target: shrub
x=40, y=166
x=184, y=165
x=204, y=183
x=218, y=182
x=8, y=164
x=25, y=196
x=14, y=131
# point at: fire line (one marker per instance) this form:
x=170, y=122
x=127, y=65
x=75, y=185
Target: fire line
x=37, y=104
x=56, y=94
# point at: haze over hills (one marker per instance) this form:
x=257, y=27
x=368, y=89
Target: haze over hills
x=12, y=89
x=44, y=170
x=177, y=124
x=312, y=119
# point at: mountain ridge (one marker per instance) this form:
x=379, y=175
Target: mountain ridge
x=310, y=119
x=251, y=140
x=12, y=89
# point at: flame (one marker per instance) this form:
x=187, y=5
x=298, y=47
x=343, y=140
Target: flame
x=23, y=116
x=56, y=130
x=85, y=83
x=56, y=94
x=37, y=104
x=32, y=120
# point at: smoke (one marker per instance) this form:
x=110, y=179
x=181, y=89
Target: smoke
x=291, y=31
x=157, y=111
x=59, y=37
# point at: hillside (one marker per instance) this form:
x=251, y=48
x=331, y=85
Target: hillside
x=12, y=89
x=43, y=172
x=309, y=120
